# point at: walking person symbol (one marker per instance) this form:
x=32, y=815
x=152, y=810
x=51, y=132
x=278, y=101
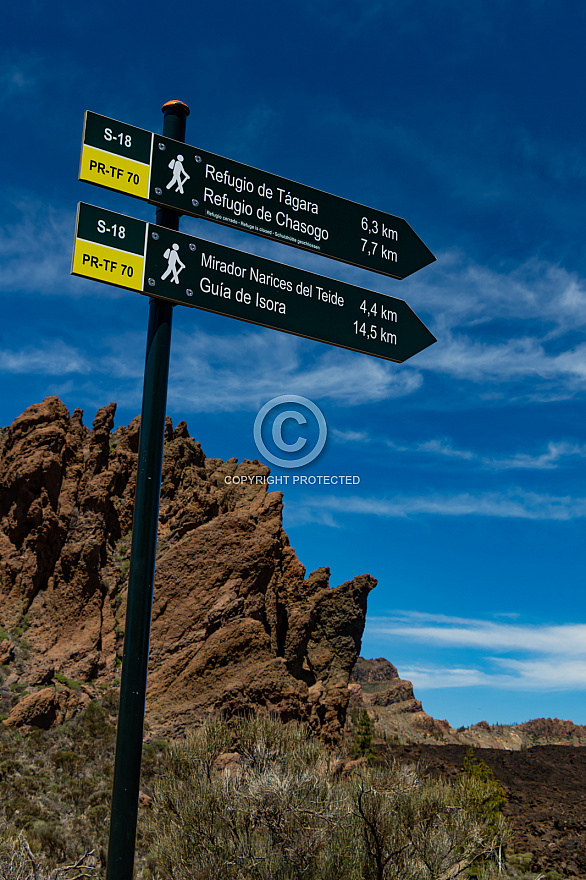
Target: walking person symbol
x=180, y=175
x=174, y=264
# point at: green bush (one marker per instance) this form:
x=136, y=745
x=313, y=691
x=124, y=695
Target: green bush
x=48, y=835
x=280, y=813
x=68, y=682
x=492, y=800
x=363, y=736
x=485, y=799
x=520, y=862
x=20, y=858
x=66, y=760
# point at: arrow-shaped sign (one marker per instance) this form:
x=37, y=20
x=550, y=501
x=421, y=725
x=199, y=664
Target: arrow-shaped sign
x=193, y=272
x=193, y=181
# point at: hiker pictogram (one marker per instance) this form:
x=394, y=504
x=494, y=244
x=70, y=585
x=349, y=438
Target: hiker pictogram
x=180, y=175
x=174, y=264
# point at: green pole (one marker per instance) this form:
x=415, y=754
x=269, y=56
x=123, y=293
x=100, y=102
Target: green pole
x=129, y=736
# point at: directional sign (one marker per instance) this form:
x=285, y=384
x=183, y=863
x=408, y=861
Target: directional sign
x=193, y=272
x=193, y=181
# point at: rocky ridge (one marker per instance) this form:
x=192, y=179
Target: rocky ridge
x=399, y=717
x=237, y=624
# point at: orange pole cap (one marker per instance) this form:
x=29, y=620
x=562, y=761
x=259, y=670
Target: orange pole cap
x=174, y=104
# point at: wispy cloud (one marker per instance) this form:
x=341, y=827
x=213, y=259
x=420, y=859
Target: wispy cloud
x=535, y=675
x=556, y=661
x=18, y=75
x=536, y=293
x=248, y=368
x=234, y=372
x=435, y=677
x=35, y=248
x=564, y=674
x=350, y=436
x=437, y=447
x=51, y=358
x=555, y=455
x=485, y=634
x=514, y=360
x=522, y=328
x=514, y=504
x=294, y=516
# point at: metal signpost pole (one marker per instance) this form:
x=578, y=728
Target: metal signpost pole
x=142, y=566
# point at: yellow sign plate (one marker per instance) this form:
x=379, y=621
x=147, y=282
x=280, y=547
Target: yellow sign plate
x=102, y=263
x=114, y=172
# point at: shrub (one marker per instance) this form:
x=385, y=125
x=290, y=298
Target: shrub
x=68, y=682
x=277, y=815
x=363, y=736
x=49, y=836
x=485, y=799
x=281, y=814
x=491, y=799
x=66, y=760
x=20, y=861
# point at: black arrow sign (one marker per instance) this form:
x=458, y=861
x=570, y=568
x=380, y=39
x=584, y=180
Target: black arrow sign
x=201, y=274
x=195, y=182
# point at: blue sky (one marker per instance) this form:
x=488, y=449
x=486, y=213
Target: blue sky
x=465, y=119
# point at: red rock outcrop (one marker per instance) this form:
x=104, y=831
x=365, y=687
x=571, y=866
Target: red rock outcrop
x=236, y=623
x=374, y=672
x=47, y=707
x=552, y=728
x=376, y=686
x=376, y=683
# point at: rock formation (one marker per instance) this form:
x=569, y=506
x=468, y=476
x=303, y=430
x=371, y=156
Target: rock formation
x=398, y=717
x=377, y=672
x=236, y=623
x=377, y=683
x=389, y=699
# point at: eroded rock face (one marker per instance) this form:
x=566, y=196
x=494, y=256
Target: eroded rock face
x=376, y=686
x=374, y=671
x=236, y=623
x=552, y=728
x=47, y=707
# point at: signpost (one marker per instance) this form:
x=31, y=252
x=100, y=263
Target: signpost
x=192, y=181
x=172, y=267
x=194, y=272
x=141, y=577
